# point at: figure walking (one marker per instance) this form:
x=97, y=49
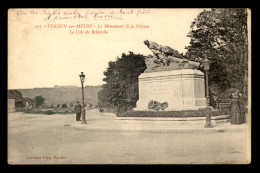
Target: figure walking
x=235, y=109
x=77, y=109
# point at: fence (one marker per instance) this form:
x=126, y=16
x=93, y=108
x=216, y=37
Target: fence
x=224, y=105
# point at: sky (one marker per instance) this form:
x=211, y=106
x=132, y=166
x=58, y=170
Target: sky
x=42, y=52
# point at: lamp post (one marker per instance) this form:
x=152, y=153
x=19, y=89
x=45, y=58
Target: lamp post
x=60, y=100
x=206, y=65
x=82, y=78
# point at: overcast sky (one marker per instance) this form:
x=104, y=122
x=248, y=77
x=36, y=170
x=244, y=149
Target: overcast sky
x=44, y=57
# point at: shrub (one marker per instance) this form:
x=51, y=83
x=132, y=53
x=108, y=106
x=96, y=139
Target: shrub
x=64, y=105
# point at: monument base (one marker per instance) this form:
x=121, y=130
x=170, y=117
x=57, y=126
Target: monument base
x=182, y=89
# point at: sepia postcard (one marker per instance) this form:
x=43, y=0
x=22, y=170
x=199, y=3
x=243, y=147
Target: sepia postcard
x=129, y=86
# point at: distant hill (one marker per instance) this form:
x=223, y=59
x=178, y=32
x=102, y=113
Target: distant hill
x=63, y=95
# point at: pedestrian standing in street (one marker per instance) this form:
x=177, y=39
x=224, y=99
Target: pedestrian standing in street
x=77, y=109
x=235, y=109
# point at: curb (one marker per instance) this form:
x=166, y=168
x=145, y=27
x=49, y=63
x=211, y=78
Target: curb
x=179, y=130
x=214, y=118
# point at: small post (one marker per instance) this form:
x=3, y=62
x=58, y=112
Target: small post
x=208, y=120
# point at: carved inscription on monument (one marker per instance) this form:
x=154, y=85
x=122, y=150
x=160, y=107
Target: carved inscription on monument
x=156, y=90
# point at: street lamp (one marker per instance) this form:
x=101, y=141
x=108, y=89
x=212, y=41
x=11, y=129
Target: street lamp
x=82, y=78
x=206, y=65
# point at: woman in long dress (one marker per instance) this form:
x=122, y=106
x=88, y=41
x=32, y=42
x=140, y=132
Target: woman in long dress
x=242, y=106
x=235, y=109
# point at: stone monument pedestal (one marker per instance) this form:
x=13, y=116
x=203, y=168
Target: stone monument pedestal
x=182, y=89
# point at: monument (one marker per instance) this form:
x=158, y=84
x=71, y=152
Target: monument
x=170, y=82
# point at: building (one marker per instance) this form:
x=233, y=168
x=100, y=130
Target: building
x=15, y=101
x=11, y=105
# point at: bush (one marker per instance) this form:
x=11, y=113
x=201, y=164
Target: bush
x=64, y=105
x=49, y=112
x=101, y=110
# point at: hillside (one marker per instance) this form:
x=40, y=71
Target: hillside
x=56, y=96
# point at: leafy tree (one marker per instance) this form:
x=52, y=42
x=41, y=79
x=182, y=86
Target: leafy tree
x=52, y=106
x=64, y=105
x=39, y=101
x=15, y=93
x=221, y=35
x=71, y=105
x=121, y=77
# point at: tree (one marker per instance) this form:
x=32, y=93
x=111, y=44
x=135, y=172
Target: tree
x=38, y=101
x=58, y=105
x=15, y=93
x=71, y=105
x=221, y=35
x=121, y=77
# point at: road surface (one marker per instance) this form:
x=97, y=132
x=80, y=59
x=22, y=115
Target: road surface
x=49, y=139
